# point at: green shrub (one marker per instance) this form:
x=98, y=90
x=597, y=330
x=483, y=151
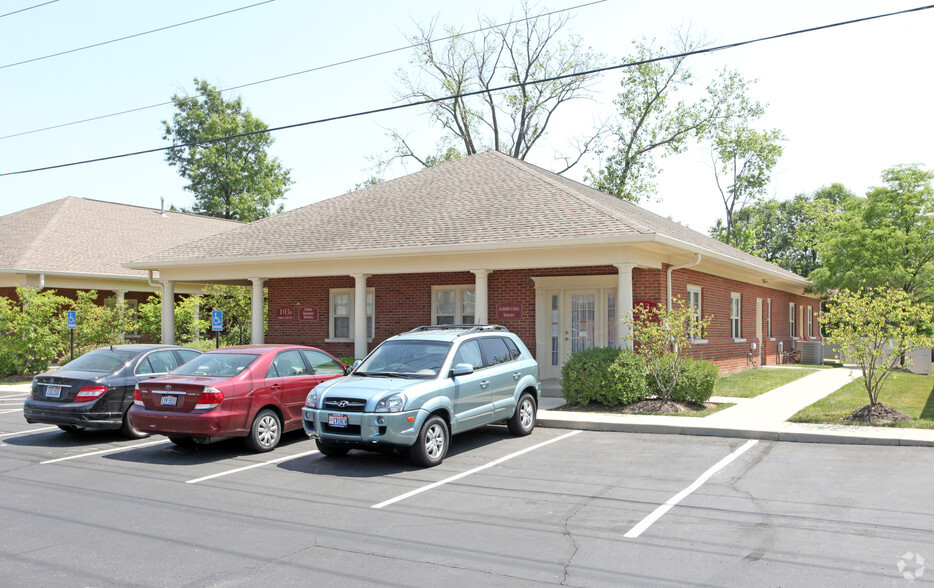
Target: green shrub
x=695, y=384
x=585, y=377
x=630, y=385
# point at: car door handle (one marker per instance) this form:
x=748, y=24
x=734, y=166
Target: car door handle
x=275, y=387
x=516, y=375
x=485, y=384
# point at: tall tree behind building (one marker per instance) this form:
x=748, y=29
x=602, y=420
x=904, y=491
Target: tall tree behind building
x=230, y=178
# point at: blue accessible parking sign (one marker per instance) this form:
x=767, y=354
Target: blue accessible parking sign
x=217, y=320
x=72, y=319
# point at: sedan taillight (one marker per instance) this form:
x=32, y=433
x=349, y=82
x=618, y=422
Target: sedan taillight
x=137, y=397
x=210, y=398
x=90, y=393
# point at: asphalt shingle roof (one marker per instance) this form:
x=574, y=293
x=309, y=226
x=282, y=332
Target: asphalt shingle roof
x=79, y=235
x=481, y=199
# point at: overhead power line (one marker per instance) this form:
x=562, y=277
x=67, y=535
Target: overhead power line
x=28, y=8
x=304, y=71
x=133, y=36
x=476, y=92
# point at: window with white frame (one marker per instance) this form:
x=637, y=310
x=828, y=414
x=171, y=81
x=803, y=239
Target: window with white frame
x=735, y=306
x=453, y=305
x=694, y=304
x=768, y=318
x=792, y=332
x=342, y=314
x=809, y=320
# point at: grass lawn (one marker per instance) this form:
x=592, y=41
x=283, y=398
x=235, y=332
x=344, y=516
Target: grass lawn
x=909, y=393
x=752, y=382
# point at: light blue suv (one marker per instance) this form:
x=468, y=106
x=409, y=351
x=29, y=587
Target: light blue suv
x=417, y=389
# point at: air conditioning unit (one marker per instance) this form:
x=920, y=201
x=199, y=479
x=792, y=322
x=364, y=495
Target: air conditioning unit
x=812, y=352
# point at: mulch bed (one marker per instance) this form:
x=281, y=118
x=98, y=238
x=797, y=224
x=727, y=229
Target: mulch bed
x=878, y=414
x=654, y=406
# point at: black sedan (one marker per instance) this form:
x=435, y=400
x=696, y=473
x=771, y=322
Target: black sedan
x=95, y=391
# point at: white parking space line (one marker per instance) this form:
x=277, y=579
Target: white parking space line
x=8, y=410
x=24, y=396
x=661, y=510
x=250, y=467
x=27, y=432
x=473, y=471
x=103, y=451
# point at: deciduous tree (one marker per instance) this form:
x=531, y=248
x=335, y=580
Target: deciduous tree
x=31, y=328
x=230, y=178
x=885, y=239
x=513, y=121
x=876, y=328
x=654, y=118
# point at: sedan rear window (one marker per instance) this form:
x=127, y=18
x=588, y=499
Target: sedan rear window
x=217, y=365
x=101, y=360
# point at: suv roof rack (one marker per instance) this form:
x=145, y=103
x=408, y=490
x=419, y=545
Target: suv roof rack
x=467, y=328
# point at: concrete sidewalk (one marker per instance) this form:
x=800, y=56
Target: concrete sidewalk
x=763, y=417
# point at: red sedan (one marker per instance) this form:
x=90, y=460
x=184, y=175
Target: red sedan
x=251, y=391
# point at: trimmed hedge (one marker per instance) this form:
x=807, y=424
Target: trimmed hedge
x=604, y=375
x=696, y=383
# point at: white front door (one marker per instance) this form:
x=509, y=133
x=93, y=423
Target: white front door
x=575, y=321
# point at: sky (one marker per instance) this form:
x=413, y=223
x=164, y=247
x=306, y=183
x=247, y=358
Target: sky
x=851, y=101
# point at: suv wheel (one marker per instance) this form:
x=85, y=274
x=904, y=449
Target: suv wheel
x=432, y=443
x=523, y=420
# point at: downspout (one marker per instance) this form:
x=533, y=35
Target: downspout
x=682, y=266
x=41, y=282
x=154, y=284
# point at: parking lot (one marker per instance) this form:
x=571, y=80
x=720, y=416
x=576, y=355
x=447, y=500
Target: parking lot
x=556, y=507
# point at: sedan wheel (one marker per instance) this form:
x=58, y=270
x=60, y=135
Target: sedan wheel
x=432, y=444
x=265, y=432
x=128, y=430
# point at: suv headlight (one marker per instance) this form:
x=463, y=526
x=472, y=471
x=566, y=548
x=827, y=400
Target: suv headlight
x=311, y=401
x=394, y=403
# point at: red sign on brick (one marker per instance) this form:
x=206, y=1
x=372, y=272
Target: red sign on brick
x=308, y=313
x=506, y=311
x=285, y=313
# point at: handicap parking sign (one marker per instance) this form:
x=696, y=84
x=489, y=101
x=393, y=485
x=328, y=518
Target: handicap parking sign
x=72, y=319
x=217, y=320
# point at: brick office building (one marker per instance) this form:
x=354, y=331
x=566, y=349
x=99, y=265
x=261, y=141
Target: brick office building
x=491, y=239
x=76, y=244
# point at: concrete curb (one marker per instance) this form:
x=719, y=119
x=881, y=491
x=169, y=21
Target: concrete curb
x=787, y=432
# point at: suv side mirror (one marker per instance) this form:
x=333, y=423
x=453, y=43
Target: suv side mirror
x=461, y=369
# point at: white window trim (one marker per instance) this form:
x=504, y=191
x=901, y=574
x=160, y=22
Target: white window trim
x=809, y=320
x=458, y=301
x=700, y=310
x=738, y=335
x=792, y=321
x=352, y=291
x=769, y=320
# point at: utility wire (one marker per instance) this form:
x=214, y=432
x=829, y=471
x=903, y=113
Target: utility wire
x=28, y=8
x=476, y=92
x=305, y=71
x=132, y=36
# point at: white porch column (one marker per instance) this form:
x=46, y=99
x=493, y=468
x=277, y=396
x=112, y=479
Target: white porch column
x=195, y=319
x=256, y=312
x=624, y=304
x=120, y=299
x=359, y=316
x=168, y=313
x=481, y=304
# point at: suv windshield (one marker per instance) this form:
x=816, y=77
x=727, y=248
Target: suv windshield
x=216, y=365
x=101, y=360
x=407, y=359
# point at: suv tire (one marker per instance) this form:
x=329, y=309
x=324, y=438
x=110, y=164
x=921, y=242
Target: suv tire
x=329, y=450
x=522, y=421
x=432, y=444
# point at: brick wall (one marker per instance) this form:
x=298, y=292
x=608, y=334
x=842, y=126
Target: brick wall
x=403, y=302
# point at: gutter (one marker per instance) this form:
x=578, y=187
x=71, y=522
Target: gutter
x=672, y=268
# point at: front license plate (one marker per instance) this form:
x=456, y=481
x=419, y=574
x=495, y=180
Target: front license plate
x=337, y=420
x=169, y=400
x=53, y=392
